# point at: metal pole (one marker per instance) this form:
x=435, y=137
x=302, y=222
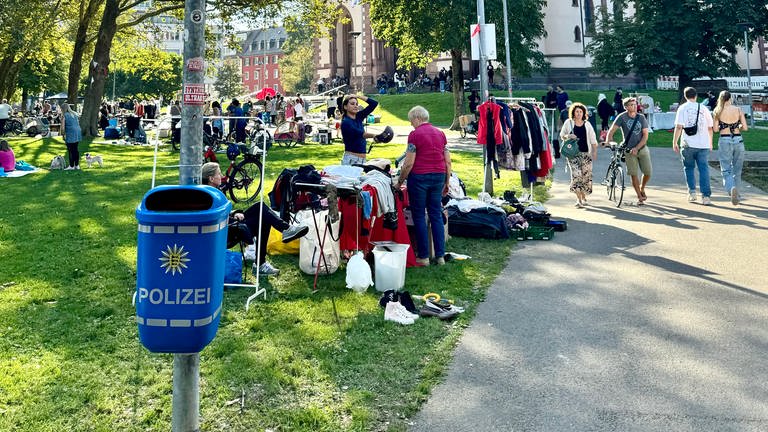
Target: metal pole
x=506, y=48
x=749, y=78
x=488, y=176
x=186, y=367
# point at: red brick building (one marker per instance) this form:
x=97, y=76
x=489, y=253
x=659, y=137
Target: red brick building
x=260, y=56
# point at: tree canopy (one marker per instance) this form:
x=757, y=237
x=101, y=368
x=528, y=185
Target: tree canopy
x=688, y=38
x=422, y=30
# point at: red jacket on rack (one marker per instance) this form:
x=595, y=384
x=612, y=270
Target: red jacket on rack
x=482, y=128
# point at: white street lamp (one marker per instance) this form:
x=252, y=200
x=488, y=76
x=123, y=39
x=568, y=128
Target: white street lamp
x=354, y=35
x=747, y=26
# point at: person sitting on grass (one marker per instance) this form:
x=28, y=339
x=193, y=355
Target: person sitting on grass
x=247, y=223
x=7, y=158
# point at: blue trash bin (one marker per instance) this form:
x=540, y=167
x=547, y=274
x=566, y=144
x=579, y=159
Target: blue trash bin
x=180, y=267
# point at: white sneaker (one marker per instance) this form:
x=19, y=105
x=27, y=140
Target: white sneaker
x=265, y=269
x=295, y=231
x=392, y=313
x=692, y=197
x=404, y=312
x=706, y=201
x=69, y=168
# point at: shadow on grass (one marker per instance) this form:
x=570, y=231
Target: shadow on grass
x=69, y=353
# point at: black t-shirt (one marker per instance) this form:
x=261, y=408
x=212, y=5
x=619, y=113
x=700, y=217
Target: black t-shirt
x=581, y=134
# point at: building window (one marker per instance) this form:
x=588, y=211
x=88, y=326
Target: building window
x=253, y=46
x=274, y=59
x=274, y=86
x=275, y=73
x=255, y=74
x=247, y=61
x=247, y=76
x=281, y=43
x=266, y=59
x=272, y=44
x=261, y=45
x=577, y=34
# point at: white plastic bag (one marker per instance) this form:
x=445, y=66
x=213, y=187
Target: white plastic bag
x=359, y=276
x=310, y=252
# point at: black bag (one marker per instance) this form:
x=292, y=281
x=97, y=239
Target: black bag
x=692, y=130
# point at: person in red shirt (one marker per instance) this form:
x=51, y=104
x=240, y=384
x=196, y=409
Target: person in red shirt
x=427, y=166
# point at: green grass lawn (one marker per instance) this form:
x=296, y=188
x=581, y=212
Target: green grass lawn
x=70, y=359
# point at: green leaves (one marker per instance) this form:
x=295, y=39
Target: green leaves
x=669, y=37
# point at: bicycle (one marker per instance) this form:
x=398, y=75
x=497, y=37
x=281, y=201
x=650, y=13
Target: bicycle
x=614, y=177
x=243, y=180
x=13, y=125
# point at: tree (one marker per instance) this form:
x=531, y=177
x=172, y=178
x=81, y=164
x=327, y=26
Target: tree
x=146, y=73
x=325, y=12
x=686, y=38
x=297, y=69
x=421, y=30
x=296, y=66
x=229, y=82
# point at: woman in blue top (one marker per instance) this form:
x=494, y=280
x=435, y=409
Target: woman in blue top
x=70, y=124
x=353, y=129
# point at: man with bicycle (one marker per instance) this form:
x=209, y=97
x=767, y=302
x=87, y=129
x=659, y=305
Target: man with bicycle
x=634, y=128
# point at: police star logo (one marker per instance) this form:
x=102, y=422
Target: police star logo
x=174, y=259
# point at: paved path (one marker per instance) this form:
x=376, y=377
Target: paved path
x=651, y=318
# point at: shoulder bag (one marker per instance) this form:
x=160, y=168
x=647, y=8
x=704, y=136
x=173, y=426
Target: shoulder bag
x=570, y=147
x=692, y=130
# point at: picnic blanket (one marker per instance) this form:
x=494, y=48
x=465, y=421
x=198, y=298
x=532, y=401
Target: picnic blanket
x=18, y=173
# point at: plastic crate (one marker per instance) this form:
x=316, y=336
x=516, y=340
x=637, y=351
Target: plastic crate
x=518, y=234
x=539, y=233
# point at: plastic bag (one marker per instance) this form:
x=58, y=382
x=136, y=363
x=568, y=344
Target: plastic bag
x=359, y=276
x=233, y=267
x=275, y=245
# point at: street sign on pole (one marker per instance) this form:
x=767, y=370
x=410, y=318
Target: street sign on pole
x=489, y=41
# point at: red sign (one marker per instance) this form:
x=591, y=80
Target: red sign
x=196, y=64
x=194, y=94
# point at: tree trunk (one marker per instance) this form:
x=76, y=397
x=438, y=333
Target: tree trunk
x=76, y=65
x=98, y=69
x=683, y=81
x=458, y=87
x=24, y=98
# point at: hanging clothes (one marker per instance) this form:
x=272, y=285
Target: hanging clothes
x=486, y=124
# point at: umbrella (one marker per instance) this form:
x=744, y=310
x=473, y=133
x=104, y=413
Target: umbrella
x=266, y=91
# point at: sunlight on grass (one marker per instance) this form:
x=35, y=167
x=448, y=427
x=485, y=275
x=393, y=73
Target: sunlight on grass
x=69, y=352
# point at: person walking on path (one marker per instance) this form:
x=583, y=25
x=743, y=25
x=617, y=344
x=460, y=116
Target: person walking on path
x=730, y=121
x=696, y=144
x=634, y=128
x=605, y=111
x=70, y=124
x=577, y=127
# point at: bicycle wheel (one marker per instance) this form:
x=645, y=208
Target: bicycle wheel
x=616, y=185
x=245, y=181
x=608, y=181
x=16, y=127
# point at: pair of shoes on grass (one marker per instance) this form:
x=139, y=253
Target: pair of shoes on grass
x=442, y=311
